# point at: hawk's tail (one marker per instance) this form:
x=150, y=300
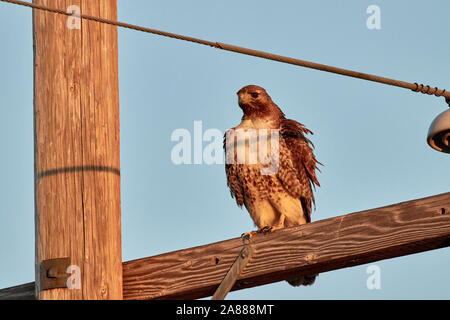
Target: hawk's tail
x=303, y=280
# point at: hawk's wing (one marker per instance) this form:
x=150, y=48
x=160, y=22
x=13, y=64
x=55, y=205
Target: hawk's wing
x=297, y=163
x=296, y=168
x=233, y=182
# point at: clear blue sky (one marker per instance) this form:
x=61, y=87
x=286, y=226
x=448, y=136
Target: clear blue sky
x=371, y=137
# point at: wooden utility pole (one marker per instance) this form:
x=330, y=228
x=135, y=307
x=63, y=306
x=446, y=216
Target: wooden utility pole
x=77, y=159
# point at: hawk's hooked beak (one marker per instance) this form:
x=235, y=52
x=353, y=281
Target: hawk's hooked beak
x=243, y=99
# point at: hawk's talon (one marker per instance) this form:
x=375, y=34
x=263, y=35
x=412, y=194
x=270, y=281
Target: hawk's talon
x=265, y=230
x=248, y=235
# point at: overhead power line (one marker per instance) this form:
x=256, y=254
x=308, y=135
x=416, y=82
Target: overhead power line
x=256, y=53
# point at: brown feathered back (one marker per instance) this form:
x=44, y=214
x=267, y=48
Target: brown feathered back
x=303, y=159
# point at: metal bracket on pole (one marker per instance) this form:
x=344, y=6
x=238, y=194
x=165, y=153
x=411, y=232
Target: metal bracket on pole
x=53, y=273
x=230, y=278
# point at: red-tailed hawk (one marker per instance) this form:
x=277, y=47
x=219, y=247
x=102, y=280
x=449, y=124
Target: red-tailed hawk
x=270, y=166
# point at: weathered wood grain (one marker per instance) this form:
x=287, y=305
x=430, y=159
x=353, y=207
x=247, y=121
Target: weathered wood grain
x=330, y=244
x=77, y=167
x=22, y=292
x=325, y=245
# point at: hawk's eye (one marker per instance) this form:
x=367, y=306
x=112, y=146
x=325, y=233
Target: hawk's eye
x=255, y=95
